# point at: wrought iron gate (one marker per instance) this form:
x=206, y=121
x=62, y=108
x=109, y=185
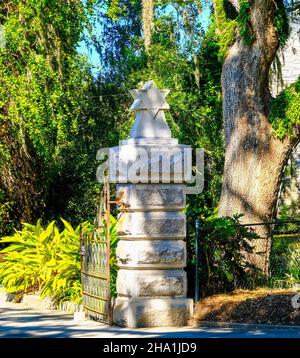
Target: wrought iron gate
x=95, y=265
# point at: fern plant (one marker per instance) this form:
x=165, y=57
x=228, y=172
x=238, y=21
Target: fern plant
x=43, y=260
x=61, y=275
x=47, y=260
x=24, y=259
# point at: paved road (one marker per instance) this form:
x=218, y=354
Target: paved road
x=18, y=320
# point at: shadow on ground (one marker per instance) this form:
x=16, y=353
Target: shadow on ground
x=16, y=321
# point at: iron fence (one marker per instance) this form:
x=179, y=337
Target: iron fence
x=223, y=265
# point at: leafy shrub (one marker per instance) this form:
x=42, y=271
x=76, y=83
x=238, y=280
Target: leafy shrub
x=43, y=260
x=285, y=261
x=47, y=260
x=223, y=247
x=61, y=274
x=25, y=258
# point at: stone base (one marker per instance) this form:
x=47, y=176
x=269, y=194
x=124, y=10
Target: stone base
x=151, y=225
x=151, y=254
x=152, y=283
x=156, y=312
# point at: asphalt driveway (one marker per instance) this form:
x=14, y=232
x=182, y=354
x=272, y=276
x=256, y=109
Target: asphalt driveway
x=18, y=320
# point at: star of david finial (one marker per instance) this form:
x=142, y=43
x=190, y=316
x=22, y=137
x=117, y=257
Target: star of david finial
x=149, y=98
x=150, y=104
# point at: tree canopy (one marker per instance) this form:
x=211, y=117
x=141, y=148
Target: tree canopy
x=56, y=111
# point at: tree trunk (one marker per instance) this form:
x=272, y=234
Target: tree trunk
x=147, y=21
x=254, y=158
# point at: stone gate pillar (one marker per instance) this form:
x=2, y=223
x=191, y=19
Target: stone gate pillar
x=151, y=169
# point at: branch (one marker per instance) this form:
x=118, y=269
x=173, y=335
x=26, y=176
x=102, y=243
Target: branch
x=235, y=3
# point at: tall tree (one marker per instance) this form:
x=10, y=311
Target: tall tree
x=42, y=88
x=147, y=21
x=260, y=132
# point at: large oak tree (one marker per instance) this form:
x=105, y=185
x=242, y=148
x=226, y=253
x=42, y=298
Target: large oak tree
x=255, y=154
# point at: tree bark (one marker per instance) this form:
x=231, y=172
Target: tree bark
x=147, y=21
x=254, y=158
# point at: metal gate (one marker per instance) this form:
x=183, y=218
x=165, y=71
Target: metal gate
x=95, y=263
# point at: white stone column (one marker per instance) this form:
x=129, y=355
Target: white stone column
x=151, y=253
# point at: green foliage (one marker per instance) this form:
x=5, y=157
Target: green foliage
x=288, y=209
x=43, y=96
x=285, y=113
x=53, y=112
x=244, y=22
x=115, y=9
x=285, y=261
x=225, y=19
x=61, y=274
x=223, y=246
x=281, y=21
x=43, y=259
x=228, y=20
x=47, y=260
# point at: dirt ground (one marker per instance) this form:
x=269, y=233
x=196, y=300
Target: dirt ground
x=259, y=306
